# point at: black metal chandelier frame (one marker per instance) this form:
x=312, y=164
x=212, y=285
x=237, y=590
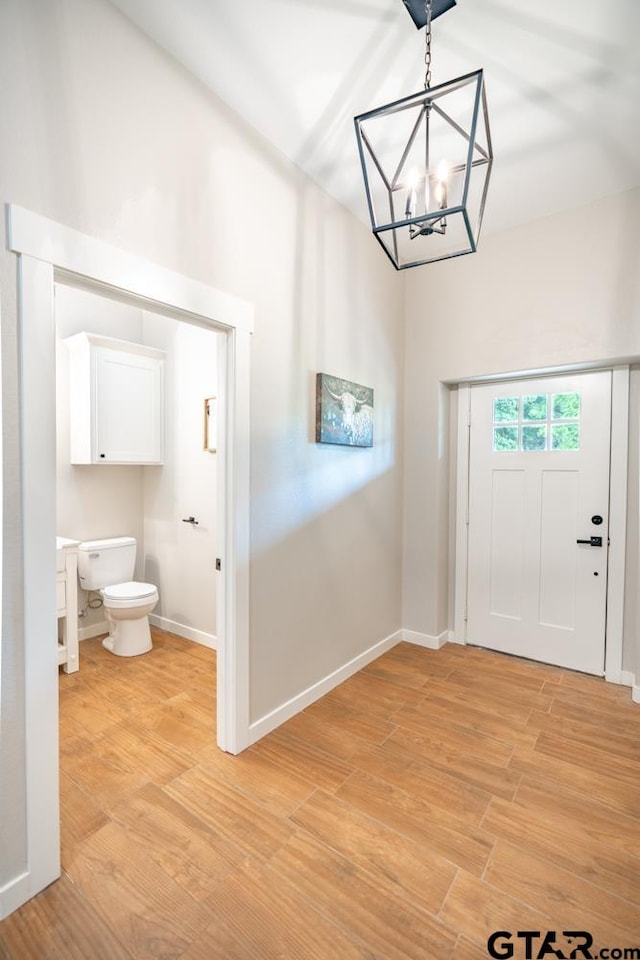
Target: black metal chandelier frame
x=396, y=222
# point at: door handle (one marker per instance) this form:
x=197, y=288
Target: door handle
x=191, y=520
x=592, y=541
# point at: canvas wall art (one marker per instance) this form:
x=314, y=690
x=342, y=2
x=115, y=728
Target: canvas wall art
x=344, y=412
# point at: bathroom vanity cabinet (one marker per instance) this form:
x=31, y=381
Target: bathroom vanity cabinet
x=67, y=603
x=116, y=394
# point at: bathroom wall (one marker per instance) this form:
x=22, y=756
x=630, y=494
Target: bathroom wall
x=94, y=501
x=179, y=557
x=148, y=503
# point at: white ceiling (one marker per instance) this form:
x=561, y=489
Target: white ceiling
x=562, y=77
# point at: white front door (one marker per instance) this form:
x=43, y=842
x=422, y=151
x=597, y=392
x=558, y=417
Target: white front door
x=538, y=518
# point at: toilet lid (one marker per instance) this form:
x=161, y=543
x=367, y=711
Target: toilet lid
x=129, y=591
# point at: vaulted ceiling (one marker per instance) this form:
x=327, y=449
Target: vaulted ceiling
x=562, y=76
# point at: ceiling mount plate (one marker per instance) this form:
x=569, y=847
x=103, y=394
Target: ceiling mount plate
x=416, y=9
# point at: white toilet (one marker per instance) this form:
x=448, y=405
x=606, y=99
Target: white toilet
x=107, y=566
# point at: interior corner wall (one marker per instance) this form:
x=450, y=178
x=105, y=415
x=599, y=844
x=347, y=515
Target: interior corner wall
x=179, y=558
x=562, y=290
x=106, y=134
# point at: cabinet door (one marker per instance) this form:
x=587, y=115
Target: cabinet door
x=127, y=407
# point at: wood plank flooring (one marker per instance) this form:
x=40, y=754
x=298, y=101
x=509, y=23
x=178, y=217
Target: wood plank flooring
x=428, y=801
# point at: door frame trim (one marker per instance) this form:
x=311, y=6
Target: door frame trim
x=617, y=504
x=48, y=252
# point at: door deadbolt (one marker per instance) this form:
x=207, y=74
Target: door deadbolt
x=597, y=519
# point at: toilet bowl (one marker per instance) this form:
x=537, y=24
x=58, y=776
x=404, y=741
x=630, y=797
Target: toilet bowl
x=127, y=606
x=106, y=566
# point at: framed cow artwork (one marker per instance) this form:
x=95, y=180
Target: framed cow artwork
x=344, y=412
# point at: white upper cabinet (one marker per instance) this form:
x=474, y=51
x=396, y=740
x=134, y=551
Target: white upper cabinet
x=116, y=401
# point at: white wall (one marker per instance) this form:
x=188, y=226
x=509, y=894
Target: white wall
x=562, y=290
x=147, y=502
x=104, y=133
x=178, y=557
x=93, y=501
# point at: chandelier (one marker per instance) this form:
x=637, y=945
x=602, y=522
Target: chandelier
x=426, y=161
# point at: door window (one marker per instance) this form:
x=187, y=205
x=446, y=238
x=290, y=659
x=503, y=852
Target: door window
x=536, y=422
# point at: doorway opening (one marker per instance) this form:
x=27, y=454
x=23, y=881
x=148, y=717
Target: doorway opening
x=136, y=480
x=139, y=385
x=50, y=254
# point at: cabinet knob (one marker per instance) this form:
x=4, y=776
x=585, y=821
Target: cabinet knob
x=102, y=456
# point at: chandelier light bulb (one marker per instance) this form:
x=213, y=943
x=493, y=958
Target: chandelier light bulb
x=413, y=178
x=443, y=173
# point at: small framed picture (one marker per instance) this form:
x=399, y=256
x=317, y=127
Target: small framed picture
x=344, y=412
x=211, y=424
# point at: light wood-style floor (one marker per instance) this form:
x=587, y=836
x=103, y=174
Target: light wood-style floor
x=430, y=800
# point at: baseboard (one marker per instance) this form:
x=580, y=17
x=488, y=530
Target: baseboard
x=14, y=894
x=628, y=679
x=270, y=721
x=635, y=687
x=94, y=630
x=198, y=636
x=424, y=639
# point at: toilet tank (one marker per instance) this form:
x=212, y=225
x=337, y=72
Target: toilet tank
x=102, y=563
